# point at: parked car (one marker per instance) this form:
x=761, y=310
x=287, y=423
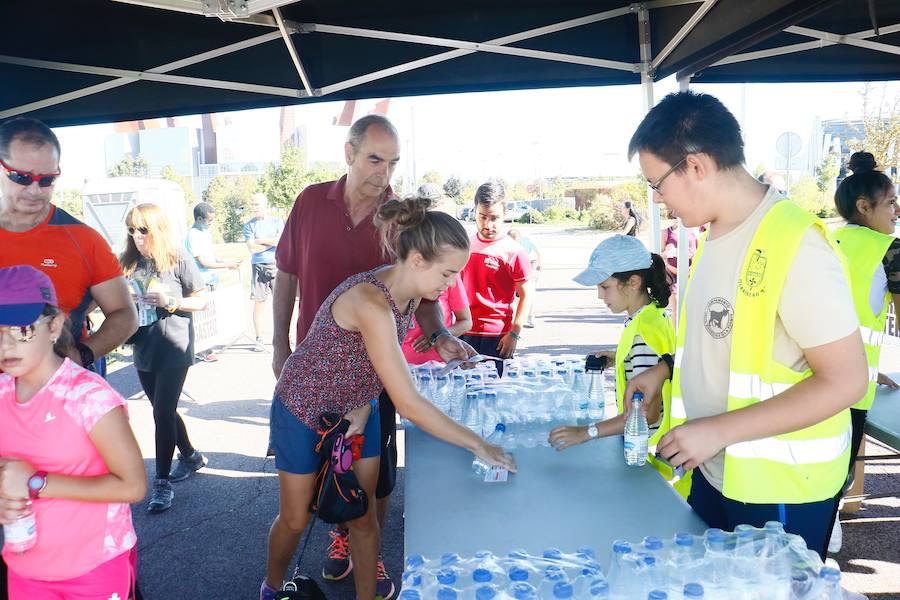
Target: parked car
x=515, y=210
x=467, y=214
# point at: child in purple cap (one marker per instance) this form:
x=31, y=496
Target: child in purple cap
x=68, y=457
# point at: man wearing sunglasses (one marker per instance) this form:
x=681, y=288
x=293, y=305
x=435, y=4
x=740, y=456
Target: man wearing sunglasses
x=77, y=259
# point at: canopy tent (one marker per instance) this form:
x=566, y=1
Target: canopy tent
x=90, y=61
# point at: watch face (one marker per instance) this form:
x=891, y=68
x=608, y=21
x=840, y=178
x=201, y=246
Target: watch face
x=35, y=482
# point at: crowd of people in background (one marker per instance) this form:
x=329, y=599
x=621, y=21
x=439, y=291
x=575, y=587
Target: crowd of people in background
x=760, y=398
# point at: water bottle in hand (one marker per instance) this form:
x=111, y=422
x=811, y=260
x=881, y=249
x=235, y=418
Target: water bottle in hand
x=636, y=434
x=480, y=467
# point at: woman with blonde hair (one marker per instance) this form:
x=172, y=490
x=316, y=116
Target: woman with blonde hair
x=167, y=288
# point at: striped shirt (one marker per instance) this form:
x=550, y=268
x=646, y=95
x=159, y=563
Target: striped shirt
x=640, y=358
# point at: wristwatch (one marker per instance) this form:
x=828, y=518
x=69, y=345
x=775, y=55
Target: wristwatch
x=592, y=431
x=36, y=484
x=85, y=354
x=171, y=304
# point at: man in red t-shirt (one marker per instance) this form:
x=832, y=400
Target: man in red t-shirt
x=34, y=232
x=329, y=236
x=497, y=270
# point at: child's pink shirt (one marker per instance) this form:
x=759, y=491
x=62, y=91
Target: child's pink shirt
x=51, y=431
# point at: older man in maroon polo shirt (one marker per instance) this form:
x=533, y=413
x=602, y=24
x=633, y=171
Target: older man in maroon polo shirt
x=329, y=236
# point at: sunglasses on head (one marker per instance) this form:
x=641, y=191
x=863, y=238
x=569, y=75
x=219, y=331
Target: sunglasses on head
x=141, y=230
x=24, y=178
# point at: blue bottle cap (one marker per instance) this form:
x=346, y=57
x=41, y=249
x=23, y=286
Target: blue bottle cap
x=684, y=539
x=562, y=590
x=715, y=535
x=774, y=526
x=485, y=592
x=458, y=376
x=830, y=575
x=446, y=576
x=621, y=547
x=500, y=426
x=414, y=561
x=446, y=593
x=524, y=591
x=693, y=590
x=657, y=595
x=554, y=553
x=414, y=579
x=744, y=527
x=554, y=572
x=481, y=554
x=586, y=552
x=409, y=595
x=650, y=561
x=518, y=574
x=638, y=397
x=600, y=586
x=450, y=558
x=746, y=533
x=482, y=575
x=471, y=395
x=545, y=372
x=653, y=543
x=591, y=569
x=518, y=554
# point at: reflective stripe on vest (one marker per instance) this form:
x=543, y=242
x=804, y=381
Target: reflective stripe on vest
x=802, y=466
x=864, y=250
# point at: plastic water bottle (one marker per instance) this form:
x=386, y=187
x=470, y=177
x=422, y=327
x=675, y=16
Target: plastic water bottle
x=426, y=384
x=746, y=562
x=776, y=562
x=21, y=535
x=636, y=434
x=457, y=396
x=470, y=416
x=680, y=565
x=581, y=395
x=553, y=574
x=488, y=411
x=831, y=584
x=442, y=393
x=593, y=369
x=480, y=467
x=616, y=574
x=718, y=562
x=446, y=593
x=599, y=590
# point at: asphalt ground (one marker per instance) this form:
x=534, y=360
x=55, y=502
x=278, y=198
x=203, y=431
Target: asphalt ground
x=212, y=543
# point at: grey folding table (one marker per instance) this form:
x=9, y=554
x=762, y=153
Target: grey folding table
x=584, y=496
x=883, y=422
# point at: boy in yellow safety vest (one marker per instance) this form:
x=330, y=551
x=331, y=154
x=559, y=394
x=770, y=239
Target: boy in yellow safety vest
x=768, y=352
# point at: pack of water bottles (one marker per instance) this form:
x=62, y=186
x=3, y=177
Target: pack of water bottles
x=518, y=575
x=749, y=564
x=534, y=395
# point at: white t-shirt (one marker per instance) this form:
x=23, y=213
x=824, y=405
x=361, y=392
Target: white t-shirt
x=816, y=308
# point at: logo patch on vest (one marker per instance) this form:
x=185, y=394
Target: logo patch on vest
x=750, y=284
x=718, y=317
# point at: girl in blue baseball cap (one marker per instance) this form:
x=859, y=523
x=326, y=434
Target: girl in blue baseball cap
x=70, y=464
x=632, y=280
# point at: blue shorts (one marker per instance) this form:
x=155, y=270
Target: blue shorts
x=295, y=443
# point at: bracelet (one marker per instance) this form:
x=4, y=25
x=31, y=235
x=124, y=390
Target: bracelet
x=434, y=336
x=172, y=306
x=515, y=335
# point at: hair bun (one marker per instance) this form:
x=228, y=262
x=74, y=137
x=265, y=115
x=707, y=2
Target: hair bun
x=861, y=162
x=403, y=214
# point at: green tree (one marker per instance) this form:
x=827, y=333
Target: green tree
x=827, y=172
x=70, y=201
x=130, y=166
x=634, y=191
x=284, y=181
x=453, y=187
x=431, y=177
x=229, y=196
x=806, y=193
x=881, y=124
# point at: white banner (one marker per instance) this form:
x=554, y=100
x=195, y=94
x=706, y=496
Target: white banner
x=223, y=320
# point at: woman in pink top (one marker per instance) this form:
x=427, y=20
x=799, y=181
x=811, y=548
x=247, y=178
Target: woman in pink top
x=352, y=352
x=70, y=460
x=457, y=317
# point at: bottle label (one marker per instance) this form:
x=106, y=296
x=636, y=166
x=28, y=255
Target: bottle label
x=19, y=531
x=496, y=475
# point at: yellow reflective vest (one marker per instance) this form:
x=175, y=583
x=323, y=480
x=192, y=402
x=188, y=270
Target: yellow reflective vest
x=864, y=250
x=655, y=328
x=808, y=465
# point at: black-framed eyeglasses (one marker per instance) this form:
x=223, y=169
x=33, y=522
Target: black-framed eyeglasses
x=656, y=185
x=25, y=178
x=24, y=333
x=142, y=230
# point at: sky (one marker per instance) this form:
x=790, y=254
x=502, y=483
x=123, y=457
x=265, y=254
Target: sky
x=518, y=135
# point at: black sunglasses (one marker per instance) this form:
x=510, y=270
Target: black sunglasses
x=24, y=178
x=141, y=230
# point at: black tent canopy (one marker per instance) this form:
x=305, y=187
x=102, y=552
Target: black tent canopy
x=90, y=61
